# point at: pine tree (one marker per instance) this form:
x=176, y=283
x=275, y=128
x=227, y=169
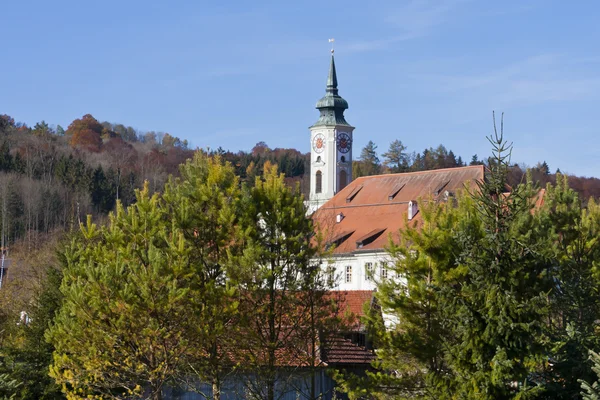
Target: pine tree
x=573, y=242
x=204, y=203
x=395, y=157
x=369, y=159
x=121, y=330
x=411, y=360
x=283, y=289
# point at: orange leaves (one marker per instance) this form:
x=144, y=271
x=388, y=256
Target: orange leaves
x=86, y=133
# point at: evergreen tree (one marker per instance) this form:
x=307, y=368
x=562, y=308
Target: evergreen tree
x=411, y=362
x=395, y=157
x=204, y=203
x=572, y=234
x=121, y=330
x=28, y=356
x=283, y=292
x=495, y=312
x=592, y=391
x=370, y=160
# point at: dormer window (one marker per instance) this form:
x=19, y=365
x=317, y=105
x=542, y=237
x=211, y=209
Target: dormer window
x=395, y=192
x=353, y=194
x=369, y=237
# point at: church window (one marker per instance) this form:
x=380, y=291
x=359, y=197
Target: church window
x=343, y=158
x=348, y=273
x=318, y=182
x=318, y=159
x=369, y=271
x=343, y=179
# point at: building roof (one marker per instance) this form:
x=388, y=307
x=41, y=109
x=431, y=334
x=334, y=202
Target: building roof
x=375, y=207
x=352, y=301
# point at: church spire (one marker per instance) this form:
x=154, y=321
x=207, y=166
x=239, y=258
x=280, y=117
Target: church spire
x=332, y=105
x=332, y=78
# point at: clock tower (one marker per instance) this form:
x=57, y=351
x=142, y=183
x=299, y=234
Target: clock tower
x=330, y=146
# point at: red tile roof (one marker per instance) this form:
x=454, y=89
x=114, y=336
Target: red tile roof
x=343, y=351
x=352, y=301
x=378, y=202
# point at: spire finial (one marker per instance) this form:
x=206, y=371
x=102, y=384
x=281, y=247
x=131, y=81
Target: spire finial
x=332, y=78
x=332, y=41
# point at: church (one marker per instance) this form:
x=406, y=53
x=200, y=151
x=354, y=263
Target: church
x=358, y=217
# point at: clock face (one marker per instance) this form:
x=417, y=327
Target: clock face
x=344, y=142
x=319, y=143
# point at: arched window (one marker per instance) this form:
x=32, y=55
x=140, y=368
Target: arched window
x=318, y=159
x=343, y=179
x=318, y=182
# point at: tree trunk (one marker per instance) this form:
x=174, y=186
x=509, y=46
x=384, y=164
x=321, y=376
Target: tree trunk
x=216, y=389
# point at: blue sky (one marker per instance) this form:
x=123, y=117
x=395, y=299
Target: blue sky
x=238, y=72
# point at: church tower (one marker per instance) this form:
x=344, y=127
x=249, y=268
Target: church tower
x=330, y=146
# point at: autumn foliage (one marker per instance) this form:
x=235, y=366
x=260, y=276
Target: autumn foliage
x=86, y=133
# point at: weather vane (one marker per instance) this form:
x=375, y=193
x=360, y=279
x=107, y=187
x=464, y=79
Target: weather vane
x=332, y=40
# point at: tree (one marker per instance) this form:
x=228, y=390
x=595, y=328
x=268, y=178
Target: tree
x=395, y=157
x=260, y=148
x=497, y=306
x=121, y=330
x=370, y=160
x=475, y=160
x=42, y=129
x=283, y=289
x=572, y=236
x=205, y=205
x=29, y=355
x=592, y=391
x=86, y=133
x=472, y=312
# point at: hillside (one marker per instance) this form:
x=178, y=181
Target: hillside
x=50, y=179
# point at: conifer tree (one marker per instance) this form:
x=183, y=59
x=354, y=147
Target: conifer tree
x=592, y=391
x=121, y=330
x=411, y=361
x=573, y=235
x=204, y=203
x=495, y=313
x=285, y=305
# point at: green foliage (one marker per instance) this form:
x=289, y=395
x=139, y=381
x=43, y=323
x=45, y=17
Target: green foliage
x=125, y=308
x=495, y=313
x=8, y=387
x=469, y=319
x=592, y=391
x=369, y=160
x=204, y=203
x=27, y=356
x=573, y=235
x=395, y=158
x=285, y=306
